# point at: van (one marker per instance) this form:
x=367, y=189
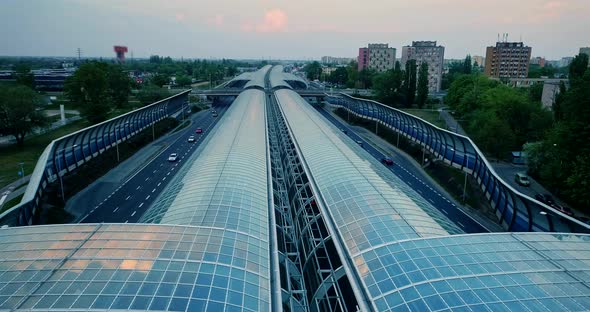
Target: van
x=522, y=179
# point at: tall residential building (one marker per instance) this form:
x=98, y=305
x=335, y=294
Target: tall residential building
x=538, y=61
x=433, y=55
x=508, y=59
x=585, y=50
x=378, y=56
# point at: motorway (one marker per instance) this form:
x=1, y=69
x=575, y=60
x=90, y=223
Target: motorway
x=128, y=202
x=414, y=178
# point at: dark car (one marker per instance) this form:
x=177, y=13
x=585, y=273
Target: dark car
x=344, y=130
x=214, y=114
x=386, y=160
x=199, y=130
x=545, y=198
x=359, y=142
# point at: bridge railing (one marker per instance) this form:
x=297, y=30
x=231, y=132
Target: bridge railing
x=515, y=211
x=66, y=154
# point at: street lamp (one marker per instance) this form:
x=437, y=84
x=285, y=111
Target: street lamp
x=117, y=141
x=61, y=182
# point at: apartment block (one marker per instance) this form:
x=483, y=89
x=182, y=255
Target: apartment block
x=377, y=56
x=508, y=60
x=433, y=55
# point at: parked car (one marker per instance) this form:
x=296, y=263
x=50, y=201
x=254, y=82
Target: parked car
x=386, y=160
x=173, y=157
x=545, y=198
x=214, y=114
x=522, y=179
x=199, y=130
x=191, y=139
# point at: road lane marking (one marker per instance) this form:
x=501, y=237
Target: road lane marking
x=154, y=171
x=419, y=191
x=164, y=178
x=128, y=197
x=147, y=178
x=167, y=174
x=153, y=190
x=126, y=221
x=140, y=205
x=148, y=197
x=138, y=187
x=159, y=183
x=430, y=200
x=461, y=224
x=133, y=213
x=116, y=209
x=445, y=212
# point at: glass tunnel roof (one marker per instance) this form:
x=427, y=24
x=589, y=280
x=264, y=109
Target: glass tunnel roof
x=480, y=272
x=370, y=206
x=131, y=266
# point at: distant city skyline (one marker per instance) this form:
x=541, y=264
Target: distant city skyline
x=265, y=29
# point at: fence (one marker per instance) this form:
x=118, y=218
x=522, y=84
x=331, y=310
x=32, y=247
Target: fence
x=67, y=153
x=515, y=211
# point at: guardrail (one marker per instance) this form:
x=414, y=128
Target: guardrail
x=515, y=211
x=67, y=153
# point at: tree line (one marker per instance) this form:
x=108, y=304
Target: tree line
x=501, y=119
x=395, y=87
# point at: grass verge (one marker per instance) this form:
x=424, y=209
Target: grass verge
x=11, y=203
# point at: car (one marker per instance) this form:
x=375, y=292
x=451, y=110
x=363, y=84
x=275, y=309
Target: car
x=214, y=114
x=199, y=130
x=545, y=198
x=173, y=157
x=522, y=179
x=344, y=131
x=191, y=138
x=386, y=160
x=563, y=209
x=359, y=142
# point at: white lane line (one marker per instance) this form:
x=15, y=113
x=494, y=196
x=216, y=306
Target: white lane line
x=161, y=165
x=126, y=221
x=140, y=205
x=430, y=200
x=128, y=197
x=153, y=190
x=445, y=212
x=419, y=191
x=461, y=224
x=116, y=209
x=167, y=174
x=159, y=183
x=148, y=197
x=138, y=187
x=147, y=178
x=164, y=178
x=154, y=171
x=133, y=213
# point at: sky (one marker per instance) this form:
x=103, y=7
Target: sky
x=286, y=29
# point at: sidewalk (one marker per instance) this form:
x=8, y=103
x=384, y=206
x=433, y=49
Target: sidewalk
x=387, y=148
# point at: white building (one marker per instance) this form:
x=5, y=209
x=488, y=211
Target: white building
x=378, y=56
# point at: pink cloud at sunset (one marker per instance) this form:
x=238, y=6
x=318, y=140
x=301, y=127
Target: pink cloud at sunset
x=274, y=20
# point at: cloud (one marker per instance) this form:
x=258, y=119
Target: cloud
x=180, y=17
x=274, y=20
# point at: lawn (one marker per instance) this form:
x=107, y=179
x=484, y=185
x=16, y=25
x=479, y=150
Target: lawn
x=431, y=116
x=12, y=155
x=11, y=203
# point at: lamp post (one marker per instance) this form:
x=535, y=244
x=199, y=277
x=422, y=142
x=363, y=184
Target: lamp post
x=22, y=170
x=465, y=188
x=117, y=141
x=61, y=182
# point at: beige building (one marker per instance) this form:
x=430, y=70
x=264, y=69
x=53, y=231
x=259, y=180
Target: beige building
x=508, y=60
x=433, y=55
x=481, y=61
x=378, y=56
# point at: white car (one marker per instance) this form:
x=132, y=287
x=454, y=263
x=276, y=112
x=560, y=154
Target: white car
x=191, y=138
x=173, y=157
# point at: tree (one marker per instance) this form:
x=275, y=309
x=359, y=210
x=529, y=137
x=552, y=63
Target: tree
x=467, y=67
x=492, y=134
x=536, y=92
x=578, y=183
x=24, y=76
x=557, y=103
x=422, y=85
x=353, y=74
x=183, y=81
x=119, y=85
x=18, y=112
x=366, y=77
x=89, y=87
x=313, y=70
x=339, y=76
x=160, y=80
x=410, y=82
x=578, y=68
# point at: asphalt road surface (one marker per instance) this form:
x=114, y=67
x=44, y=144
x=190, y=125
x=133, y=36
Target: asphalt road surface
x=128, y=202
x=415, y=179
